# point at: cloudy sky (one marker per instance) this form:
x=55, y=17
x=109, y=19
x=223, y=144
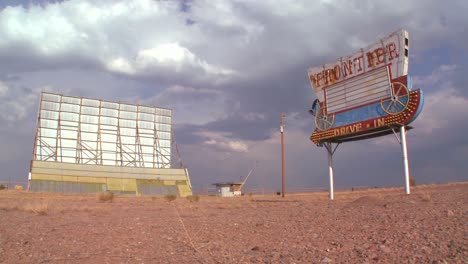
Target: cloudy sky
x=228, y=69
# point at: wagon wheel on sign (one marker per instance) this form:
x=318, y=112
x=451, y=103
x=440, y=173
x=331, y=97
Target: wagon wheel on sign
x=398, y=101
x=324, y=121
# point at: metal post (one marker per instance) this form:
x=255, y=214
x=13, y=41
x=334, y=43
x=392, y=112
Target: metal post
x=330, y=151
x=282, y=157
x=405, y=158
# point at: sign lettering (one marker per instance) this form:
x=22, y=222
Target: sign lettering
x=354, y=66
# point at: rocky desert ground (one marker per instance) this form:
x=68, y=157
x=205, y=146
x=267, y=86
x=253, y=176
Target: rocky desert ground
x=365, y=226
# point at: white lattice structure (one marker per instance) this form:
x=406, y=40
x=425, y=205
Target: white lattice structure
x=88, y=131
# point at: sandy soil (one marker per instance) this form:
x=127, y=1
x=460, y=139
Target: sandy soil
x=374, y=226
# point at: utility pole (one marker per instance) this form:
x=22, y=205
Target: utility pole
x=283, y=180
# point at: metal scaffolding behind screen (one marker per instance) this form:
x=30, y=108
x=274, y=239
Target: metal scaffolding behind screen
x=88, y=131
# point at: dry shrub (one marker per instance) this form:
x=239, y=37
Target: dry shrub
x=2, y=187
x=170, y=197
x=92, y=209
x=106, y=196
x=8, y=207
x=18, y=187
x=193, y=198
x=37, y=208
x=426, y=197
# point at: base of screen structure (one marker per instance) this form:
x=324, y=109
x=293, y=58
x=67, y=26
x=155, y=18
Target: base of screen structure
x=331, y=148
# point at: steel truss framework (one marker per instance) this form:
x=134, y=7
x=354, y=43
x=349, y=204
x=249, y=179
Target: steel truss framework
x=89, y=131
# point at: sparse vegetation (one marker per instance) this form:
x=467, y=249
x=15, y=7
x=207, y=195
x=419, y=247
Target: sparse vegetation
x=2, y=187
x=426, y=197
x=37, y=208
x=170, y=197
x=106, y=196
x=195, y=229
x=193, y=198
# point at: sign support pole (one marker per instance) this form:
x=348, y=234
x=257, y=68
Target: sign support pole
x=330, y=171
x=404, y=149
x=331, y=151
x=283, y=180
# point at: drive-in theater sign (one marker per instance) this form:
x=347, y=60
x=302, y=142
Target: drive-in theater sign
x=365, y=95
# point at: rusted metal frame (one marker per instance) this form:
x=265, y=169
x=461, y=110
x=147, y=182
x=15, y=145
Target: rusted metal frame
x=89, y=149
x=78, y=153
x=59, y=135
x=38, y=130
x=119, y=138
x=156, y=147
x=176, y=146
x=164, y=156
x=141, y=160
x=154, y=138
x=99, y=141
x=128, y=153
x=52, y=154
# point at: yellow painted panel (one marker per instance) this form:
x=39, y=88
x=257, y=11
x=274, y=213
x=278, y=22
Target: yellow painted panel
x=114, y=184
x=91, y=179
x=45, y=177
x=129, y=185
x=169, y=183
x=69, y=178
x=184, y=190
x=181, y=182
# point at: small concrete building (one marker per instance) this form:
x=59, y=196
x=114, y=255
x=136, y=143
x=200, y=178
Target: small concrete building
x=228, y=189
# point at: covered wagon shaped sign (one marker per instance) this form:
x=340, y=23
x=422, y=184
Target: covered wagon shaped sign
x=366, y=94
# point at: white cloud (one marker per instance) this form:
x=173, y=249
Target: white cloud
x=3, y=89
x=121, y=65
x=223, y=141
x=246, y=38
x=170, y=56
x=441, y=73
x=193, y=105
x=442, y=110
x=15, y=106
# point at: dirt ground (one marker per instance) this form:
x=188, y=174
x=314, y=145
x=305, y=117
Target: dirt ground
x=373, y=226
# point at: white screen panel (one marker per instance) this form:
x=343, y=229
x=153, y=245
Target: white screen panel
x=89, y=119
x=49, y=114
x=81, y=130
x=71, y=100
x=367, y=88
x=89, y=128
x=69, y=134
x=48, y=123
x=47, y=132
x=108, y=146
x=146, y=141
x=91, y=102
